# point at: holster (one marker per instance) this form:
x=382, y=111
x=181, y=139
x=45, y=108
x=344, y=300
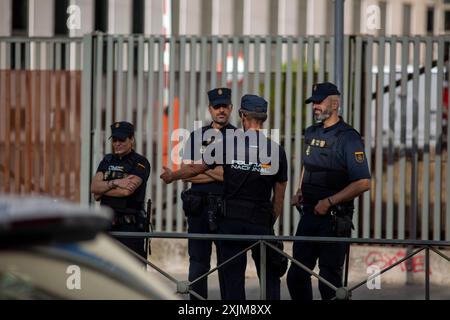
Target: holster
x=192, y=202
x=342, y=224
x=215, y=206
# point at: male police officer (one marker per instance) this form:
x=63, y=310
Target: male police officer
x=255, y=167
x=200, y=199
x=335, y=171
x=120, y=183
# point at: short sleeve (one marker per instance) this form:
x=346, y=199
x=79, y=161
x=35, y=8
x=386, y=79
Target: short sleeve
x=354, y=156
x=281, y=175
x=141, y=168
x=103, y=166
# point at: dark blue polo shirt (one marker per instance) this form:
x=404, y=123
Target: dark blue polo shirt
x=193, y=151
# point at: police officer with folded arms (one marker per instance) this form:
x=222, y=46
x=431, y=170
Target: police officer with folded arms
x=120, y=184
x=334, y=173
x=255, y=177
x=200, y=200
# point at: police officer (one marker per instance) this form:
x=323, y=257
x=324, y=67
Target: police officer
x=334, y=172
x=255, y=177
x=206, y=187
x=120, y=183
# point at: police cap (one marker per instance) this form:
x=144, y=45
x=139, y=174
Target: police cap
x=219, y=96
x=253, y=103
x=122, y=130
x=322, y=90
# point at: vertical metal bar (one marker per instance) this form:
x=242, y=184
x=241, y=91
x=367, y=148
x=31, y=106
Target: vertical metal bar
x=277, y=119
x=77, y=106
x=321, y=76
x=37, y=116
x=262, y=271
x=109, y=92
x=85, y=175
x=130, y=77
x=402, y=149
x=57, y=122
x=246, y=66
x=224, y=61
x=346, y=84
x=17, y=120
x=7, y=119
x=28, y=170
x=298, y=119
x=368, y=133
x=213, y=63
x=267, y=76
x=310, y=77
x=48, y=113
x=415, y=136
x=150, y=115
x=67, y=127
x=426, y=141
x=140, y=98
x=357, y=117
x=181, y=119
x=438, y=148
x=159, y=186
x=391, y=136
x=331, y=60
x=171, y=115
x=288, y=138
x=379, y=141
x=192, y=82
x=119, y=79
x=339, y=43
x=97, y=108
x=427, y=273
x=447, y=203
x=256, y=59
x=234, y=83
x=202, y=87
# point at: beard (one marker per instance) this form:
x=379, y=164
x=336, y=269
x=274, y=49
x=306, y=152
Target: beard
x=322, y=116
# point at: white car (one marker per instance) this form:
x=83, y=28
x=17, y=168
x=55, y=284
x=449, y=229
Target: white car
x=52, y=249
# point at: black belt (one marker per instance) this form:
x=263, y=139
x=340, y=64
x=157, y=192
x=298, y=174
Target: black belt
x=124, y=219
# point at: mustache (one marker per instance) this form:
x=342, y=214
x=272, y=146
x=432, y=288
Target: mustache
x=221, y=114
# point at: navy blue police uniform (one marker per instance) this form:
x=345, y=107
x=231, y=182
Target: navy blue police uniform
x=333, y=158
x=129, y=212
x=248, y=185
x=198, y=210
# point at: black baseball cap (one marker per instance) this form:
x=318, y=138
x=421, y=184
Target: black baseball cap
x=322, y=90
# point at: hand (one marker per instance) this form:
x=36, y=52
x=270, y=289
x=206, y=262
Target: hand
x=322, y=207
x=167, y=175
x=296, y=198
x=126, y=183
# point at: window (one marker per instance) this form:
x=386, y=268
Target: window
x=138, y=16
x=447, y=20
x=406, y=20
x=19, y=17
x=101, y=15
x=60, y=18
x=430, y=20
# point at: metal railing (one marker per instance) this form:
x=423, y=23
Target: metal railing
x=342, y=293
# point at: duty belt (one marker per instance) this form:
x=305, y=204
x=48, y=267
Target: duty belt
x=124, y=219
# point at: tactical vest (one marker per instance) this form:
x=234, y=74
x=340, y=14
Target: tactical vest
x=129, y=204
x=324, y=174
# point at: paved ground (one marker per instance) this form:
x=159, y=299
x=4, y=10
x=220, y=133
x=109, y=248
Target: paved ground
x=387, y=291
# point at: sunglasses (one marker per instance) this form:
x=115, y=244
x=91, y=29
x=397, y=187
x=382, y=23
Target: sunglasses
x=118, y=139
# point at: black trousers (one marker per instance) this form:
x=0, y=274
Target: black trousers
x=135, y=244
x=200, y=253
x=330, y=255
x=233, y=273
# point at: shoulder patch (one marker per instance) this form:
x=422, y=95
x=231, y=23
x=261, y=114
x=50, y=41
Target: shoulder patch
x=141, y=166
x=359, y=156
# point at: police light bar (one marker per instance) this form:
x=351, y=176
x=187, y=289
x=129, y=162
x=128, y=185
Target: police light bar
x=34, y=220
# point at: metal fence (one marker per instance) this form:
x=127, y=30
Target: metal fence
x=395, y=93
x=40, y=107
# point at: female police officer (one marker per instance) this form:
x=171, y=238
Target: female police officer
x=120, y=183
